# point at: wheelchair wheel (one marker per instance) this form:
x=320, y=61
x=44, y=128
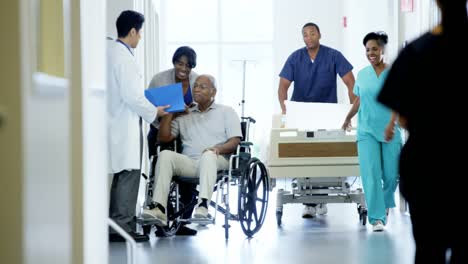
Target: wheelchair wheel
x=253, y=197
x=173, y=224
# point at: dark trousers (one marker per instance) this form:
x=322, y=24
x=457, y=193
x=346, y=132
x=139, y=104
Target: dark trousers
x=436, y=196
x=123, y=199
x=436, y=231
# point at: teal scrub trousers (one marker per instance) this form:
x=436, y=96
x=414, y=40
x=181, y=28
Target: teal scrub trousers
x=378, y=163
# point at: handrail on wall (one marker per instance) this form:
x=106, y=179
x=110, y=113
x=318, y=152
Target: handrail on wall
x=131, y=244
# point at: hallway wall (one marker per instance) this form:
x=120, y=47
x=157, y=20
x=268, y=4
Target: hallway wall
x=34, y=153
x=47, y=152
x=52, y=144
x=288, y=19
x=424, y=16
x=90, y=87
x=365, y=16
x=11, y=142
x=114, y=8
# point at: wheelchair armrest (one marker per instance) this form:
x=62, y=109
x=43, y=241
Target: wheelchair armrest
x=250, y=119
x=166, y=145
x=241, y=156
x=174, y=145
x=245, y=144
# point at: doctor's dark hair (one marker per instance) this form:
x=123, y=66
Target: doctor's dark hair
x=187, y=52
x=379, y=36
x=127, y=20
x=310, y=24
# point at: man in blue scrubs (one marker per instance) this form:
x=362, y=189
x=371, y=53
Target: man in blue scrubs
x=313, y=70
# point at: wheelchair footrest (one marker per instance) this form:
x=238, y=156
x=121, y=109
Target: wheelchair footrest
x=141, y=221
x=147, y=222
x=202, y=221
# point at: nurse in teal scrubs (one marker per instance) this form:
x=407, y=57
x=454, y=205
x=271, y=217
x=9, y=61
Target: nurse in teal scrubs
x=378, y=154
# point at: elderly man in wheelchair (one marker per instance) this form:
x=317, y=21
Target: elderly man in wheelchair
x=209, y=133
x=212, y=156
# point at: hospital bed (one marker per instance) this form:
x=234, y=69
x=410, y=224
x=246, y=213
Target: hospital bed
x=314, y=158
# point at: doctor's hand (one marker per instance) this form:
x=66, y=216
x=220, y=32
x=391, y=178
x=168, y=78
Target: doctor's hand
x=346, y=125
x=162, y=110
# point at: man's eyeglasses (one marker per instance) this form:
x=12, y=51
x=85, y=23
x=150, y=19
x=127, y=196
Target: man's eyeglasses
x=201, y=86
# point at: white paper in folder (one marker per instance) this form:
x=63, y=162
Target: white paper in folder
x=313, y=116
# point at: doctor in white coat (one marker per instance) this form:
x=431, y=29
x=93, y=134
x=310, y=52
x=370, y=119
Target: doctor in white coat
x=126, y=104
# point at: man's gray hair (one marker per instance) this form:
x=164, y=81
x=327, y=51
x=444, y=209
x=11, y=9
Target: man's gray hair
x=211, y=78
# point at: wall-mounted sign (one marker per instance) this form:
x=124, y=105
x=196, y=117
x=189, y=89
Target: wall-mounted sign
x=407, y=5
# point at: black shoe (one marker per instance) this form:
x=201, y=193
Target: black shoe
x=182, y=231
x=139, y=237
x=159, y=233
x=113, y=237
x=185, y=231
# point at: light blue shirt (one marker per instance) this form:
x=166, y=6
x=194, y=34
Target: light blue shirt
x=373, y=117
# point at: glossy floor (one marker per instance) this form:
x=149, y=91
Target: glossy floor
x=337, y=237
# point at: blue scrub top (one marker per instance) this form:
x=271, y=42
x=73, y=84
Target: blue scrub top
x=373, y=117
x=188, y=96
x=315, y=81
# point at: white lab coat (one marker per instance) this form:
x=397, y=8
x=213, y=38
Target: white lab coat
x=126, y=103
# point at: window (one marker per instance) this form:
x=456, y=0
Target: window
x=247, y=20
x=189, y=20
x=224, y=34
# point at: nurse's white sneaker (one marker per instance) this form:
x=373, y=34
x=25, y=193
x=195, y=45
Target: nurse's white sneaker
x=308, y=211
x=321, y=209
x=378, y=226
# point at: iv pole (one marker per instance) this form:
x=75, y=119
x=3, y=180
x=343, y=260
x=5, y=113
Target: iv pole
x=245, y=125
x=244, y=69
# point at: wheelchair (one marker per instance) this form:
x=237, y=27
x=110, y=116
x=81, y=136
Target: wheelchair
x=245, y=172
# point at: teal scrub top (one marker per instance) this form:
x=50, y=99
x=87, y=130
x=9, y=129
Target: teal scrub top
x=373, y=116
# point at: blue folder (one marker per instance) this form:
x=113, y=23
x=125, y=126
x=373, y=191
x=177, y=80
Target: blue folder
x=167, y=95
